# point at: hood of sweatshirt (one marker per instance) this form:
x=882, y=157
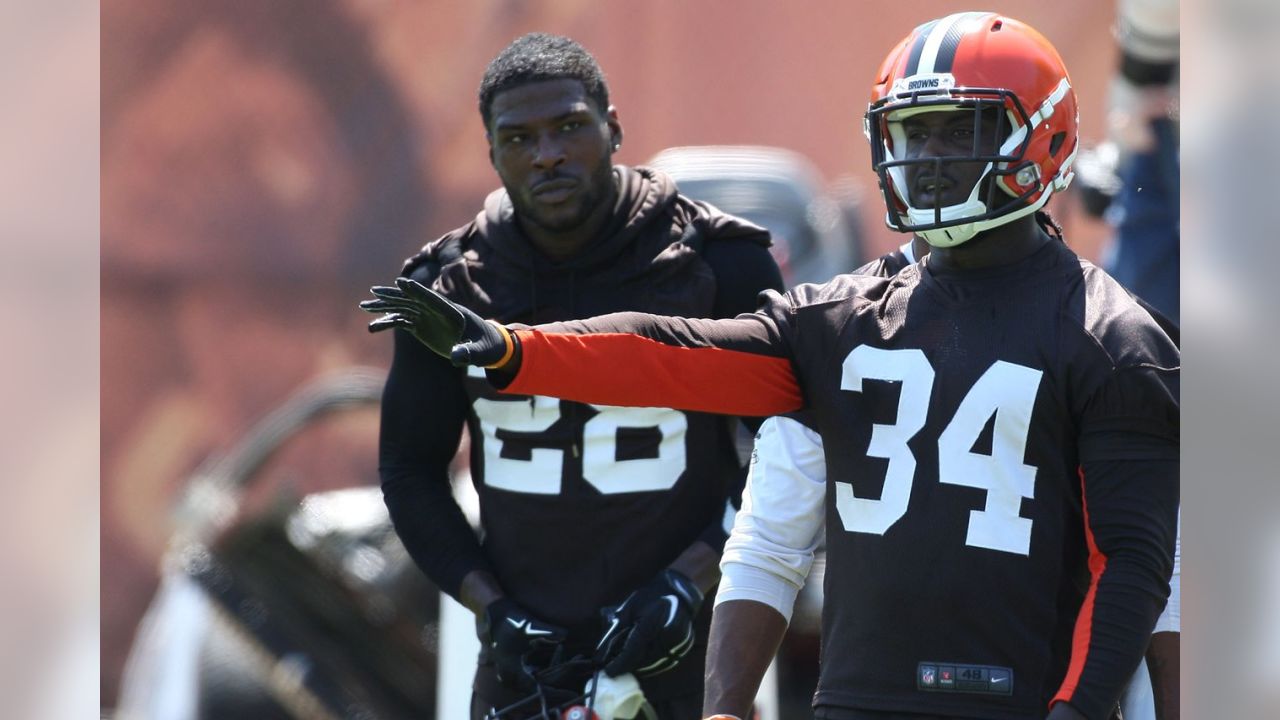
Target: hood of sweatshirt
x=643, y=195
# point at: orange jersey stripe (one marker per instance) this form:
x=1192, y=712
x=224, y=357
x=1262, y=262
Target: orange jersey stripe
x=1083, y=633
x=634, y=371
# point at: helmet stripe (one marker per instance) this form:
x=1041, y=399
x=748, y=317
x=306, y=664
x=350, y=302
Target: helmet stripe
x=922, y=34
x=947, y=52
x=940, y=47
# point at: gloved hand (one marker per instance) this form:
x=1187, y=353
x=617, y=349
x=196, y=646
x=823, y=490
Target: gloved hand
x=519, y=643
x=652, y=629
x=450, y=330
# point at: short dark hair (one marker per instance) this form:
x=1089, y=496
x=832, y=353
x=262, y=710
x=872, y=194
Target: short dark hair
x=540, y=56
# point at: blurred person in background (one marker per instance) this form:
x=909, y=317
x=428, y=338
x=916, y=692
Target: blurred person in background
x=1142, y=123
x=1002, y=364
x=583, y=507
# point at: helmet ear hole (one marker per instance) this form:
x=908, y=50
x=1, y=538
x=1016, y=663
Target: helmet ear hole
x=1055, y=142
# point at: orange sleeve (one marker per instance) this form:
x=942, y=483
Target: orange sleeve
x=627, y=369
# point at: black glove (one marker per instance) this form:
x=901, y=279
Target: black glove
x=652, y=629
x=519, y=643
x=450, y=330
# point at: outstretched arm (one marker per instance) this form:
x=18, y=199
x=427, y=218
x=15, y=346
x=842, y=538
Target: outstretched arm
x=739, y=366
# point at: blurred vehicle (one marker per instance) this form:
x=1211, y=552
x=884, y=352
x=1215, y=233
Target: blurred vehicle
x=778, y=189
x=309, y=609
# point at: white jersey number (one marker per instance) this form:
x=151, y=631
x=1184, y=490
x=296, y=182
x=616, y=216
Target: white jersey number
x=1005, y=390
x=541, y=473
x=912, y=369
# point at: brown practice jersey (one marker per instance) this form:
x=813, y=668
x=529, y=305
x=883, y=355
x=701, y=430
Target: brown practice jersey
x=1001, y=448
x=891, y=263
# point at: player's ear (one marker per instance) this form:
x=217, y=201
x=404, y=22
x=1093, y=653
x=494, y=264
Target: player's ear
x=615, y=127
x=488, y=138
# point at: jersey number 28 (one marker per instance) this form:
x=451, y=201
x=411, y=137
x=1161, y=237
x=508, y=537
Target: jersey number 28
x=601, y=467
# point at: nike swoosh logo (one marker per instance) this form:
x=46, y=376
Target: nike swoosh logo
x=613, y=625
x=524, y=627
x=998, y=679
x=671, y=612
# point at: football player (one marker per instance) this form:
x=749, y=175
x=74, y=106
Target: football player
x=583, y=506
x=999, y=421
x=788, y=467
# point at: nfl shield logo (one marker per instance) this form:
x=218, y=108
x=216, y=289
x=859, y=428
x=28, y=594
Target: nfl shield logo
x=928, y=676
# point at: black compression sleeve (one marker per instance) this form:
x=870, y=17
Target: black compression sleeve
x=1131, y=509
x=424, y=408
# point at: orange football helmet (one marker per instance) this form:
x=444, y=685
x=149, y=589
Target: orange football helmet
x=972, y=62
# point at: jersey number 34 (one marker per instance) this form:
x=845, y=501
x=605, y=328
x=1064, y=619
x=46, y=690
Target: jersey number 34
x=1006, y=390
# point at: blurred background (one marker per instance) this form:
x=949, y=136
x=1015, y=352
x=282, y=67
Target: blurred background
x=263, y=163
